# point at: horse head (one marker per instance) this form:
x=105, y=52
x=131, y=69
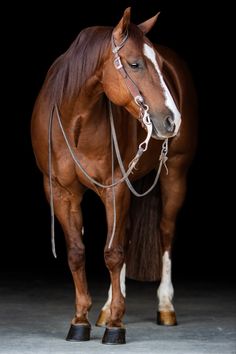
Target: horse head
x=132, y=77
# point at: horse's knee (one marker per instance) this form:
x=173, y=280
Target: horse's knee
x=114, y=258
x=76, y=257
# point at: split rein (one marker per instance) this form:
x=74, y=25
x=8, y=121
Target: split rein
x=146, y=122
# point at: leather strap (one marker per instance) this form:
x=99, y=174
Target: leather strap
x=132, y=87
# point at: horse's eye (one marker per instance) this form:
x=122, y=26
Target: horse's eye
x=134, y=65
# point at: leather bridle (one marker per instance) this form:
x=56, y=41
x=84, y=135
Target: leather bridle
x=144, y=117
x=132, y=87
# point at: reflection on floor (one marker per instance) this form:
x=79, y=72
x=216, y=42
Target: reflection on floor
x=35, y=314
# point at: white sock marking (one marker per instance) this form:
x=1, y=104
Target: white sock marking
x=122, y=279
x=165, y=291
x=170, y=103
x=122, y=286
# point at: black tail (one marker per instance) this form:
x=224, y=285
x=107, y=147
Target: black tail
x=143, y=257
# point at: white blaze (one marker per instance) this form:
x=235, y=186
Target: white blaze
x=165, y=291
x=170, y=103
x=122, y=286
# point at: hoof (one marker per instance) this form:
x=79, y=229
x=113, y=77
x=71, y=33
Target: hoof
x=166, y=318
x=103, y=318
x=114, y=336
x=79, y=333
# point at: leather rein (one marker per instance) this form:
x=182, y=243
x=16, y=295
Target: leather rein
x=146, y=122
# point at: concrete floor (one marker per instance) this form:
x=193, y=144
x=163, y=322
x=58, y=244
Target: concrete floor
x=35, y=317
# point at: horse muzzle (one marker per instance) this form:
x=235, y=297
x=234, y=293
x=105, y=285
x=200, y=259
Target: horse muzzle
x=163, y=126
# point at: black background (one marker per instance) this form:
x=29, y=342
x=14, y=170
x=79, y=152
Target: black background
x=32, y=38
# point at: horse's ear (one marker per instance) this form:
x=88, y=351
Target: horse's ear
x=120, y=30
x=147, y=25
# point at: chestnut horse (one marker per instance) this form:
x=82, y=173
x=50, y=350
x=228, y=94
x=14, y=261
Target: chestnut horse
x=113, y=108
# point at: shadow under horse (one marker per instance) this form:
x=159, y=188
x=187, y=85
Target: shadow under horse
x=113, y=108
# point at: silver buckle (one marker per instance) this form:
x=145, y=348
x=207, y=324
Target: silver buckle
x=139, y=100
x=117, y=63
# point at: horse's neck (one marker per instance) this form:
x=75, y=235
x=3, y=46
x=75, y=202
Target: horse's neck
x=95, y=120
x=89, y=121
x=84, y=110
x=89, y=99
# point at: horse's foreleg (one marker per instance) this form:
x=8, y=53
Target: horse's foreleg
x=173, y=187
x=114, y=259
x=105, y=313
x=68, y=212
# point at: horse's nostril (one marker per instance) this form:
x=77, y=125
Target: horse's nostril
x=169, y=124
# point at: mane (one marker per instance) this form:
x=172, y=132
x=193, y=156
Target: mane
x=70, y=71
